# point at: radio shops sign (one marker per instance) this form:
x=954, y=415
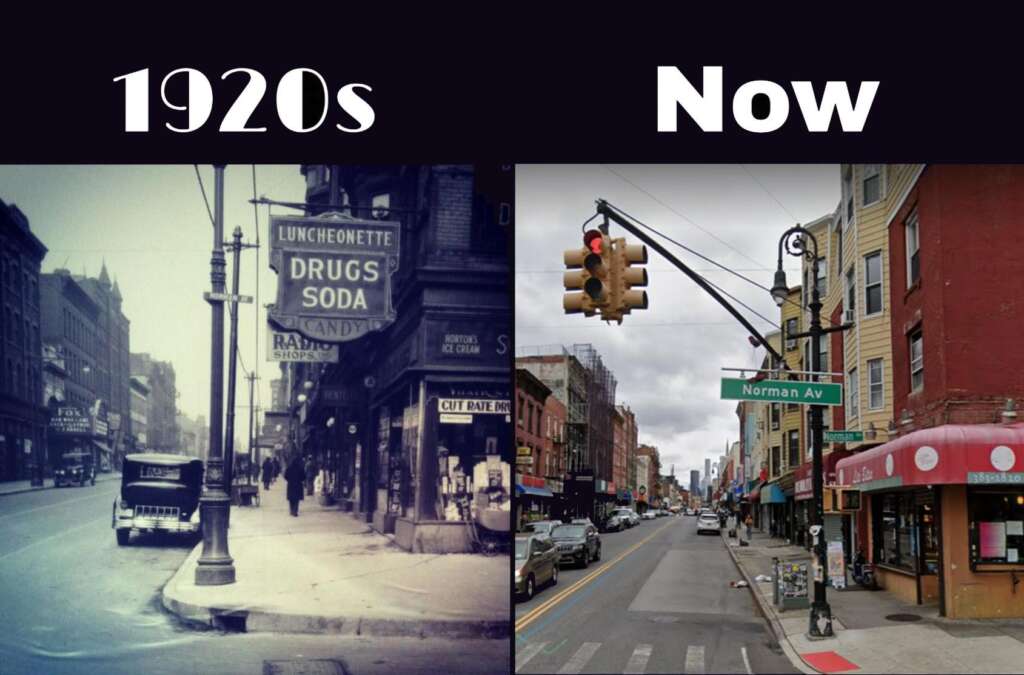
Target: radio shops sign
x=333, y=275
x=294, y=347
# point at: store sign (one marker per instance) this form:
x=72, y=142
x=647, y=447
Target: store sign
x=782, y=391
x=456, y=418
x=69, y=420
x=334, y=275
x=293, y=347
x=524, y=461
x=524, y=452
x=994, y=478
x=460, y=342
x=474, y=406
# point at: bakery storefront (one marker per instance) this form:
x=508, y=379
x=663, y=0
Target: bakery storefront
x=945, y=508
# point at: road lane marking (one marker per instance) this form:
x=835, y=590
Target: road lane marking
x=694, y=660
x=55, y=536
x=50, y=506
x=580, y=658
x=531, y=616
x=524, y=655
x=746, y=661
x=638, y=661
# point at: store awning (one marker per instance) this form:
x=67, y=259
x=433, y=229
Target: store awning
x=952, y=454
x=772, y=494
x=755, y=492
x=803, y=487
x=102, y=447
x=535, y=491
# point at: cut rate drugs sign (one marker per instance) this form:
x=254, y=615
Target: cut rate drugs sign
x=333, y=275
x=782, y=391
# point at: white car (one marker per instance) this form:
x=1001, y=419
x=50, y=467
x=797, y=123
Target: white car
x=628, y=516
x=708, y=522
x=648, y=515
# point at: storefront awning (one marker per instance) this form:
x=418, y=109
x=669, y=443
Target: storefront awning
x=772, y=494
x=755, y=490
x=952, y=454
x=803, y=487
x=535, y=491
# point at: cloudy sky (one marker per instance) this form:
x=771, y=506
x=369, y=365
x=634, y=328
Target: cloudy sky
x=668, y=358
x=151, y=226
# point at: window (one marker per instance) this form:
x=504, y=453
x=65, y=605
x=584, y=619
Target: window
x=916, y=362
x=905, y=526
x=776, y=413
x=848, y=195
x=776, y=453
x=520, y=401
x=853, y=394
x=839, y=253
x=872, y=283
x=872, y=183
x=823, y=349
x=791, y=328
x=851, y=291
x=876, y=393
x=913, y=246
x=822, y=276
x=794, y=448
x=995, y=516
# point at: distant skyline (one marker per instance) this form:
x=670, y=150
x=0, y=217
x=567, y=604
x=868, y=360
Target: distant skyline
x=668, y=359
x=150, y=226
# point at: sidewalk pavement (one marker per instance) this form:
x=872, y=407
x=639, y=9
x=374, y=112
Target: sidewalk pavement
x=865, y=641
x=12, y=487
x=328, y=572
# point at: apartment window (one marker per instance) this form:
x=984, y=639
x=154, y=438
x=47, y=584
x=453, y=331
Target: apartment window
x=913, y=246
x=794, y=448
x=848, y=195
x=839, y=253
x=872, y=283
x=520, y=401
x=872, y=183
x=776, y=454
x=776, y=413
x=790, y=329
x=851, y=291
x=916, y=362
x=823, y=351
x=852, y=394
x=876, y=392
x=822, y=276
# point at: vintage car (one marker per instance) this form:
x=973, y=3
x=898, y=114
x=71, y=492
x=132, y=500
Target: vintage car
x=75, y=468
x=159, y=493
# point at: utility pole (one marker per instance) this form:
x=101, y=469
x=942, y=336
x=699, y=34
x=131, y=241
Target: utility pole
x=252, y=428
x=229, y=433
x=215, y=566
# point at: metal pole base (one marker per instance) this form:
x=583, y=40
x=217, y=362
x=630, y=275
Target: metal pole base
x=215, y=566
x=820, y=622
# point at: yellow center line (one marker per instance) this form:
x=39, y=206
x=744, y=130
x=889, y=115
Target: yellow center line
x=540, y=609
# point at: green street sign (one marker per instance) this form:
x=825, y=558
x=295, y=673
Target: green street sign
x=843, y=436
x=782, y=391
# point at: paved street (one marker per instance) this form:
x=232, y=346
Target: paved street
x=72, y=601
x=659, y=601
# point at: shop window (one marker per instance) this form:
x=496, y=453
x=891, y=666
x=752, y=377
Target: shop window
x=996, y=525
x=906, y=534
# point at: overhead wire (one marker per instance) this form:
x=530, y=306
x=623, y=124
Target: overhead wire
x=202, y=189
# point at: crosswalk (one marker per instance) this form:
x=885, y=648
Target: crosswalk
x=694, y=662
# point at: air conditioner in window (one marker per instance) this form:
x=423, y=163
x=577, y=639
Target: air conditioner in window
x=848, y=315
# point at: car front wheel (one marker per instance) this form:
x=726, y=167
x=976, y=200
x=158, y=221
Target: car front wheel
x=554, y=576
x=529, y=588
x=586, y=558
x=597, y=556
x=123, y=536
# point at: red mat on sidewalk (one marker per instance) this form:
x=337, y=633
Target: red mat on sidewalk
x=828, y=662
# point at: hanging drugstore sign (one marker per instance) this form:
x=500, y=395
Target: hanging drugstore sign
x=333, y=275
x=480, y=406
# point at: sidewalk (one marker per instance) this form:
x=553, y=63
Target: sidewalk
x=865, y=640
x=328, y=572
x=13, y=487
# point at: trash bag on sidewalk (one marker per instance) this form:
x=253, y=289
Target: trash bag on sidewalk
x=738, y=584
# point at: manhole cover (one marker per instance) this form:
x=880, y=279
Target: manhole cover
x=665, y=619
x=903, y=617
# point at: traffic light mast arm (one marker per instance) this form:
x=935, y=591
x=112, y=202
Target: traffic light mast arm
x=609, y=213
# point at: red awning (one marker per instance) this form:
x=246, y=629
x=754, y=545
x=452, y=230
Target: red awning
x=953, y=454
x=803, y=488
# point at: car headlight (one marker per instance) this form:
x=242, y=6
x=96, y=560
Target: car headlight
x=519, y=576
x=123, y=504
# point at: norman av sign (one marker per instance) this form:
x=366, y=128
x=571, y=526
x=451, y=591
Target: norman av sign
x=333, y=275
x=782, y=391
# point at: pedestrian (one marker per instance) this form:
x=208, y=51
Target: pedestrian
x=295, y=477
x=749, y=522
x=277, y=468
x=310, y=471
x=268, y=472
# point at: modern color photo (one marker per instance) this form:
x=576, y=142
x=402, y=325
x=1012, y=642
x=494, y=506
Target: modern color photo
x=818, y=366
x=255, y=419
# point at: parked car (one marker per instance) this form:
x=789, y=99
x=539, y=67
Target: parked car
x=159, y=493
x=577, y=543
x=583, y=521
x=536, y=564
x=708, y=522
x=615, y=523
x=629, y=516
x=541, y=527
x=647, y=515
x=75, y=467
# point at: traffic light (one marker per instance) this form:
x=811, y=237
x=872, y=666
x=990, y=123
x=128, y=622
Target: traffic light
x=588, y=271
x=623, y=277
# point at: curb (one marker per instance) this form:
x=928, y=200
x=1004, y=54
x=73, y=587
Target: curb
x=105, y=478
x=259, y=621
x=774, y=624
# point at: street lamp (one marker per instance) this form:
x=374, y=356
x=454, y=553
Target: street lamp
x=795, y=242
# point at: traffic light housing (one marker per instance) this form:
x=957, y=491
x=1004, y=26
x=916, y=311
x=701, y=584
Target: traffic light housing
x=588, y=271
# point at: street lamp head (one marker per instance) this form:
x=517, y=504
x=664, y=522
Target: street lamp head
x=301, y=398
x=307, y=385
x=779, y=289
